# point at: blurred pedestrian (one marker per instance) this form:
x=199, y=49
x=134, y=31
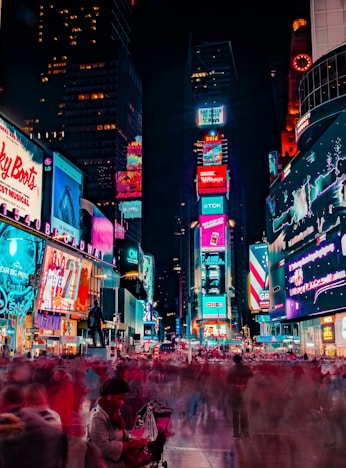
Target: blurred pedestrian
x=39, y=443
x=238, y=378
x=61, y=396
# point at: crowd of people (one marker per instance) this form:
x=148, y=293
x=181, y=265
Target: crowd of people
x=80, y=412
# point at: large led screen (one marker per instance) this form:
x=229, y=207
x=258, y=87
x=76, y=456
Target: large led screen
x=209, y=116
x=131, y=209
x=82, y=301
x=212, y=152
x=134, y=156
x=20, y=260
x=67, y=189
x=310, y=200
x=212, y=231
x=21, y=168
x=214, y=307
x=96, y=229
x=212, y=205
x=149, y=276
x=129, y=184
x=259, y=276
x=59, y=283
x=213, y=272
x=211, y=179
x=312, y=281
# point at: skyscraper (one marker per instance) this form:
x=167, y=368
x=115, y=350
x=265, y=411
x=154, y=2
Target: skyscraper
x=88, y=102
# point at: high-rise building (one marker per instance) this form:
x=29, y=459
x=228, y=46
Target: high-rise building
x=214, y=284
x=87, y=97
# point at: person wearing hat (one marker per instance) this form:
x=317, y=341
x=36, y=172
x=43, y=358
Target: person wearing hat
x=106, y=427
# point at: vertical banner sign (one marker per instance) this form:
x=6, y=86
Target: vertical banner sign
x=259, y=284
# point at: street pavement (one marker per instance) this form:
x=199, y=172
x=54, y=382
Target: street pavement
x=211, y=445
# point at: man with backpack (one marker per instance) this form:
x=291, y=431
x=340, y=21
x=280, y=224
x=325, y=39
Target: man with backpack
x=95, y=318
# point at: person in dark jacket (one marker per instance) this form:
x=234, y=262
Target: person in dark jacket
x=238, y=377
x=95, y=318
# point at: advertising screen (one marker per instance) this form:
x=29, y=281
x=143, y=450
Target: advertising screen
x=259, y=277
x=21, y=173
x=209, y=116
x=82, y=301
x=67, y=189
x=211, y=179
x=310, y=200
x=96, y=229
x=134, y=156
x=312, y=281
x=212, y=153
x=213, y=272
x=59, y=282
x=212, y=205
x=149, y=276
x=20, y=260
x=214, y=307
x=212, y=231
x=129, y=184
x=131, y=209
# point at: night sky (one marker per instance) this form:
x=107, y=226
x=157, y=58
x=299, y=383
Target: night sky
x=257, y=31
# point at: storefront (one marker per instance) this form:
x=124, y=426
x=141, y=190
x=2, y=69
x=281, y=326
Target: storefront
x=340, y=334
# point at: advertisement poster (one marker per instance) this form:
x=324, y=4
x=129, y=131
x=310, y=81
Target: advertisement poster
x=129, y=184
x=20, y=259
x=213, y=272
x=67, y=189
x=60, y=279
x=21, y=172
x=212, y=231
x=214, y=307
x=211, y=179
x=259, y=277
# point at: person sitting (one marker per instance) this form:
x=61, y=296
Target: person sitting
x=106, y=427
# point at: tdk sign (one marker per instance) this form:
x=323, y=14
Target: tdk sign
x=212, y=205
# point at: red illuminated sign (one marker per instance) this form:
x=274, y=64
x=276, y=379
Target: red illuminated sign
x=211, y=179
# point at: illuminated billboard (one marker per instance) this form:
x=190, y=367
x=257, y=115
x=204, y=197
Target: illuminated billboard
x=210, y=116
x=134, y=156
x=212, y=152
x=212, y=205
x=310, y=200
x=21, y=166
x=131, y=209
x=212, y=179
x=312, y=281
x=20, y=260
x=213, y=272
x=59, y=283
x=67, y=189
x=96, y=229
x=149, y=276
x=129, y=184
x=259, y=277
x=214, y=307
x=82, y=301
x=212, y=231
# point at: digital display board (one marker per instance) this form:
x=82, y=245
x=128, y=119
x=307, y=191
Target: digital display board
x=134, y=156
x=312, y=281
x=20, y=261
x=213, y=272
x=259, y=276
x=96, y=229
x=212, y=205
x=212, y=231
x=21, y=169
x=129, y=184
x=149, y=276
x=209, y=116
x=212, y=152
x=214, y=307
x=59, y=282
x=310, y=200
x=67, y=190
x=131, y=209
x=212, y=179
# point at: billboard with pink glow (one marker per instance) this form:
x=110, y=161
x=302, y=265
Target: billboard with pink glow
x=134, y=156
x=129, y=184
x=212, y=231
